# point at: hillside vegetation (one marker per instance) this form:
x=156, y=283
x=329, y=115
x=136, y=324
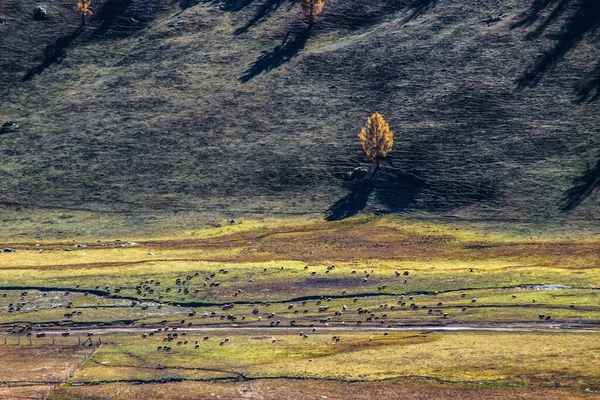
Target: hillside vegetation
x=230, y=107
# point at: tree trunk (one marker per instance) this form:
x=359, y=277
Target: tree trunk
x=375, y=169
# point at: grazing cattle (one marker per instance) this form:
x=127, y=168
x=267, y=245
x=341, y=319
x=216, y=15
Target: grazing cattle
x=474, y=300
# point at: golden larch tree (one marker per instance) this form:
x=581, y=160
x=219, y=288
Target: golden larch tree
x=83, y=8
x=376, y=138
x=312, y=9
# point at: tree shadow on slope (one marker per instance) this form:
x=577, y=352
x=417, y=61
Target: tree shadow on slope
x=53, y=54
x=583, y=187
x=185, y=4
x=584, y=21
x=353, y=16
x=351, y=204
x=289, y=48
x=418, y=8
x=340, y=15
x=122, y=17
x=590, y=91
x=109, y=13
x=231, y=6
x=264, y=11
x=394, y=191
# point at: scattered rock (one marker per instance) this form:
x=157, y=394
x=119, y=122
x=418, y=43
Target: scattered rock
x=9, y=126
x=40, y=13
x=492, y=19
x=358, y=173
x=175, y=24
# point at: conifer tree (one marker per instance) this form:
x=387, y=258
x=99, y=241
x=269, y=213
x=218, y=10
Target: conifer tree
x=376, y=138
x=312, y=9
x=83, y=8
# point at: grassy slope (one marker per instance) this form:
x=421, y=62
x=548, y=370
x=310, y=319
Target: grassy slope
x=146, y=119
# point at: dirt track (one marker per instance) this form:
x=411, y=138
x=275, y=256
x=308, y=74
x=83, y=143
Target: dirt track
x=485, y=327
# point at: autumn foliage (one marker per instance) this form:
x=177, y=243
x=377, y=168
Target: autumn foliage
x=83, y=8
x=312, y=9
x=376, y=137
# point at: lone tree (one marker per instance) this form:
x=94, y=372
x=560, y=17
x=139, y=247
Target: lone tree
x=376, y=138
x=312, y=9
x=83, y=8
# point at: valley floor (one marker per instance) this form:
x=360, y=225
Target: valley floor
x=303, y=309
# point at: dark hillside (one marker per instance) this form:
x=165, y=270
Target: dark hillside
x=163, y=105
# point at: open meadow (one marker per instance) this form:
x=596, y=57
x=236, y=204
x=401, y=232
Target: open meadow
x=282, y=309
